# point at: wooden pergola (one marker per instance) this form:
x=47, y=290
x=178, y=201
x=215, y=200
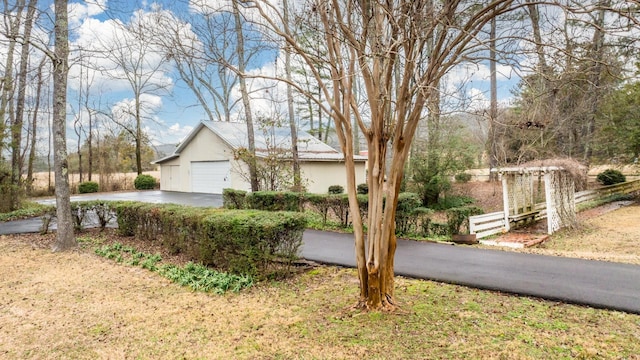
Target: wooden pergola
x=519, y=196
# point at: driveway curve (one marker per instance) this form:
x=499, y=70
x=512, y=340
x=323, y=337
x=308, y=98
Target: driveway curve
x=594, y=283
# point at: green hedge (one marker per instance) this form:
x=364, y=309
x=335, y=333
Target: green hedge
x=274, y=201
x=234, y=199
x=241, y=241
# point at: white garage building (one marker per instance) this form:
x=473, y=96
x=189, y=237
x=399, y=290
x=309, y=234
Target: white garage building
x=207, y=162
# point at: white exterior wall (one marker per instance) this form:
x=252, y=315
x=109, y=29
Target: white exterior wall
x=319, y=175
x=207, y=146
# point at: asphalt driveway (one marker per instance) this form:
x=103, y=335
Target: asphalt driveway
x=151, y=196
x=594, y=283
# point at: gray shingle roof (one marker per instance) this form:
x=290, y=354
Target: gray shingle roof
x=278, y=138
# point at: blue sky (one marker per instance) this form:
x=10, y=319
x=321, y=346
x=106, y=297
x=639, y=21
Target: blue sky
x=175, y=112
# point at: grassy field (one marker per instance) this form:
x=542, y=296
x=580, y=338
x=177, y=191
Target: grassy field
x=80, y=305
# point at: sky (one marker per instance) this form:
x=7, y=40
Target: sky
x=170, y=108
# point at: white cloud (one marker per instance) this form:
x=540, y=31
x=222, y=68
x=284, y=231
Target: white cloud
x=173, y=134
x=80, y=11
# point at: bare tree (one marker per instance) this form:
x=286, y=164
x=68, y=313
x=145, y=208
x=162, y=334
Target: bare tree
x=385, y=45
x=18, y=120
x=13, y=19
x=137, y=60
x=40, y=78
x=64, y=235
x=297, y=178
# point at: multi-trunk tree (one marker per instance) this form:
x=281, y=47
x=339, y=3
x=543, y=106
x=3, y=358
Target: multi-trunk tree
x=399, y=51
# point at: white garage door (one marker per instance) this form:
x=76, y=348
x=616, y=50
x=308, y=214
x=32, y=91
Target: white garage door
x=210, y=176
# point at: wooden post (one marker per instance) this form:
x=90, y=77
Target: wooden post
x=505, y=200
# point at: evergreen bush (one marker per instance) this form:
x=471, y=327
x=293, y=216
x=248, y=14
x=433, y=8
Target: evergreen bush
x=274, y=201
x=610, y=177
x=88, y=187
x=145, y=182
x=336, y=189
x=363, y=189
x=234, y=199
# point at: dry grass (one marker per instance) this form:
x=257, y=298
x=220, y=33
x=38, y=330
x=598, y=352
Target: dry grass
x=81, y=306
x=110, y=182
x=608, y=233
x=78, y=305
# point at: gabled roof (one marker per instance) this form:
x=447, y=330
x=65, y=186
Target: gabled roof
x=278, y=138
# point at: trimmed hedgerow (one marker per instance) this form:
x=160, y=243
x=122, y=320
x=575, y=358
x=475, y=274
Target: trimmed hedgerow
x=274, y=201
x=240, y=241
x=234, y=199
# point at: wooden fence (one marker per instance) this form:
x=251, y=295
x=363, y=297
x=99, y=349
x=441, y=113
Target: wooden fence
x=493, y=223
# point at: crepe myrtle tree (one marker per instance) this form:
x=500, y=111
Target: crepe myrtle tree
x=398, y=51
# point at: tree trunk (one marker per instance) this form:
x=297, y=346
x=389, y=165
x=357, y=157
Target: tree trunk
x=18, y=121
x=7, y=79
x=597, y=54
x=297, y=179
x=253, y=176
x=34, y=128
x=493, y=110
x=64, y=237
x=138, y=116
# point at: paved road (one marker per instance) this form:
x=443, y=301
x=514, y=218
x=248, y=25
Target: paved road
x=594, y=283
x=151, y=196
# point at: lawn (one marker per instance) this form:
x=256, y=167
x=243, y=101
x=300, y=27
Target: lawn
x=80, y=305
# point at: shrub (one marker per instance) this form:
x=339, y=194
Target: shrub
x=274, y=201
x=463, y=177
x=453, y=201
x=363, y=189
x=610, y=177
x=457, y=217
x=88, y=187
x=239, y=241
x=407, y=203
x=234, y=199
x=320, y=204
x=145, y=182
x=336, y=189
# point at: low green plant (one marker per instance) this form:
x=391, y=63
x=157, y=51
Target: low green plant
x=610, y=177
x=200, y=278
x=336, y=189
x=88, y=187
x=145, y=182
x=196, y=276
